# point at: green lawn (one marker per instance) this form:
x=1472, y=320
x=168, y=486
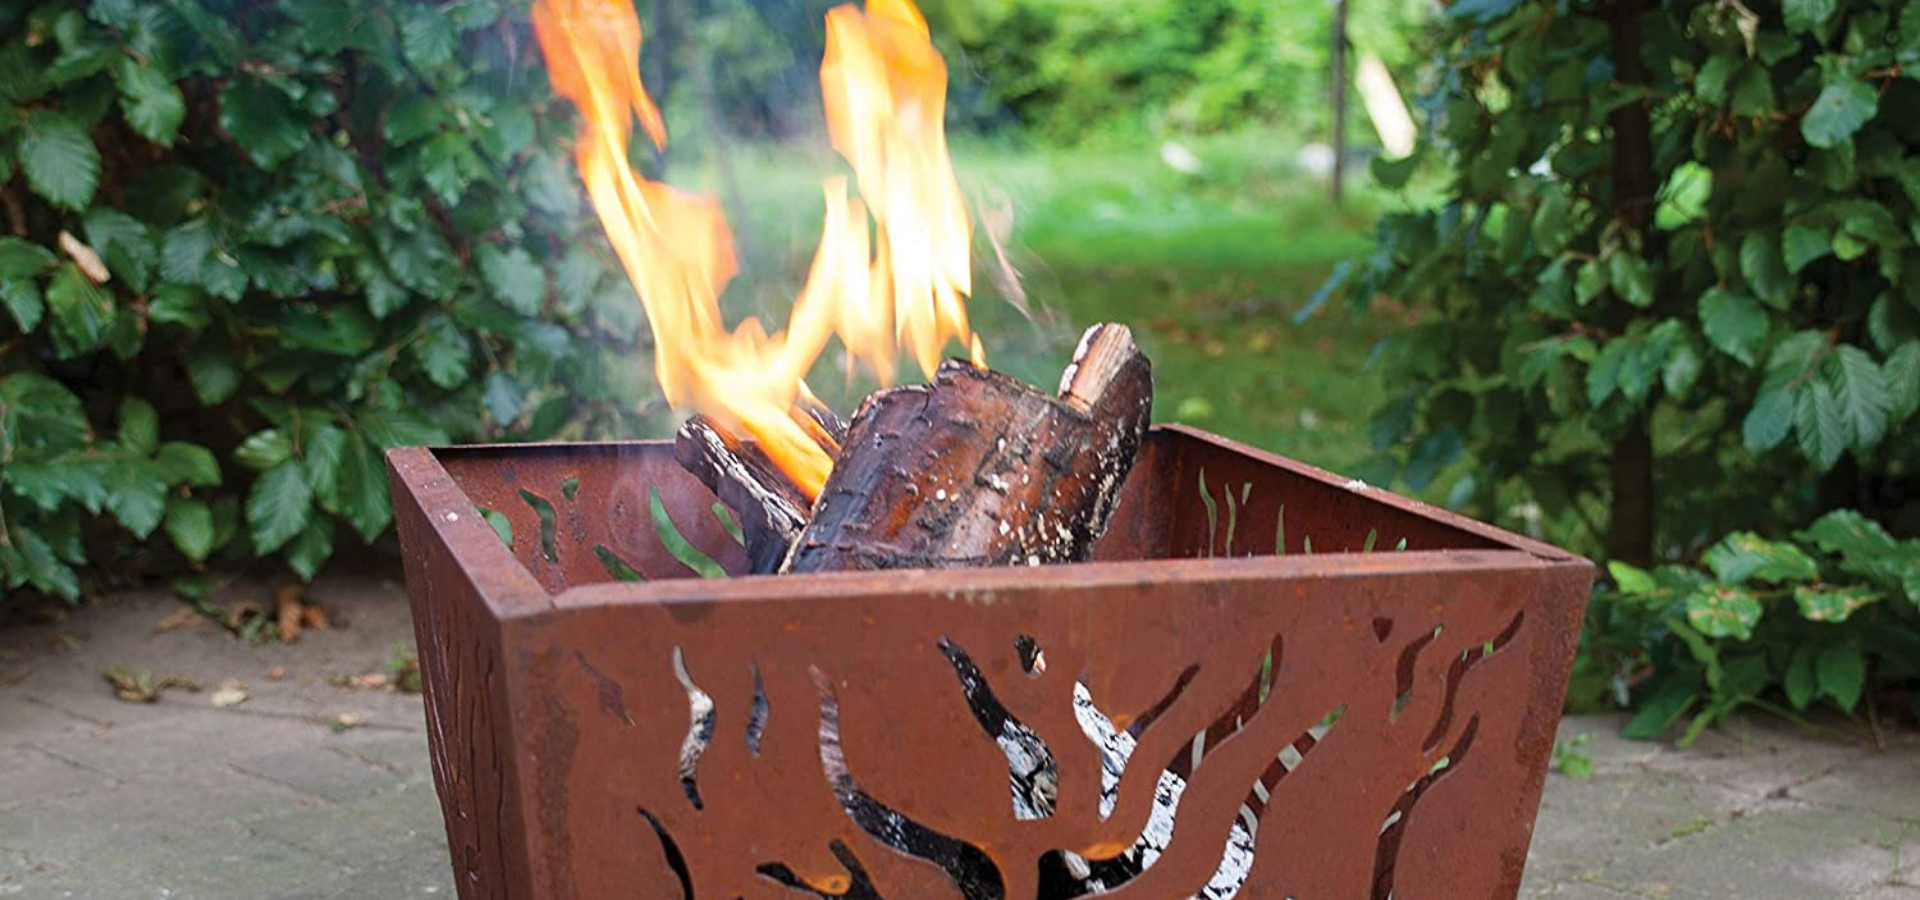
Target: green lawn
x=1207, y=269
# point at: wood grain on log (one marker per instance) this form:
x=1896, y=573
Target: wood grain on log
x=771, y=509
x=978, y=469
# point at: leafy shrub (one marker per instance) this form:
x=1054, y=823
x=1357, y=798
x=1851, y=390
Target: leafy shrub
x=1674, y=297
x=327, y=227
x=1070, y=68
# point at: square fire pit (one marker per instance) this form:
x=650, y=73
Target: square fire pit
x=1370, y=719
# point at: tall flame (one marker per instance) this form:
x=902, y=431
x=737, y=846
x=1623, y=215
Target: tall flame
x=892, y=271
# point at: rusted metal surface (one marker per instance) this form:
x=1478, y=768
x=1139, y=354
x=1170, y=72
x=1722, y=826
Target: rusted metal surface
x=1383, y=720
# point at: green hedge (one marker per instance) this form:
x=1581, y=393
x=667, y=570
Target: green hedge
x=1675, y=284
x=331, y=227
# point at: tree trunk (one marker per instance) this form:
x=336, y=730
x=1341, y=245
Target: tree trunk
x=1630, y=533
x=1339, y=100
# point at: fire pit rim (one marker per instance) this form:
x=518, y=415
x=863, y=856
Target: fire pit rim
x=510, y=589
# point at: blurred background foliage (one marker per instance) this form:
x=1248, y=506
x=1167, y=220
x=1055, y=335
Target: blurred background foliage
x=247, y=245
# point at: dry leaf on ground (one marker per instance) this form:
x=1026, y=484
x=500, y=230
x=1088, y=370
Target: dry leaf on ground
x=289, y=611
x=144, y=687
x=184, y=617
x=276, y=673
x=230, y=693
x=345, y=722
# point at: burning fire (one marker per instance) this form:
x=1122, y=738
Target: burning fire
x=892, y=272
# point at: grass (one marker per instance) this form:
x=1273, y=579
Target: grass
x=1208, y=269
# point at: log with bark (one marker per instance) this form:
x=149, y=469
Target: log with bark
x=975, y=469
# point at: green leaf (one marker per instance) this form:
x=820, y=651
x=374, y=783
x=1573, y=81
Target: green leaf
x=1743, y=556
x=1591, y=282
x=1765, y=270
x=1840, y=110
x=1603, y=377
x=1860, y=389
x=1552, y=223
x=311, y=549
x=214, y=376
x=279, y=506
x=1842, y=674
x=1734, y=324
x=444, y=353
x=1722, y=611
x=124, y=242
x=1631, y=278
x=1683, y=369
x=24, y=303
x=139, y=426
x=190, y=525
x=361, y=490
x=1903, y=381
x=677, y=543
x=505, y=398
x=265, y=450
x=426, y=36
x=1832, y=604
x=384, y=295
x=1822, y=429
x=194, y=253
x=1801, y=682
x=178, y=304
x=1805, y=243
x=399, y=428
x=21, y=258
x=1806, y=15
x=1630, y=580
x=60, y=160
x=1656, y=713
x=515, y=278
x=82, y=313
x=322, y=452
x=136, y=492
x=263, y=121
x=153, y=106
x=421, y=261
x=185, y=463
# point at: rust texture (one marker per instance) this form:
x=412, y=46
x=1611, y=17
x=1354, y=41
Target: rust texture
x=1340, y=725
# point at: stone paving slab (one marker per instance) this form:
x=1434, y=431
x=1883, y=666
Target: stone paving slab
x=106, y=800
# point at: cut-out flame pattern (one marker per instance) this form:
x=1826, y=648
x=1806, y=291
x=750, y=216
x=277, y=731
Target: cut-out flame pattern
x=892, y=272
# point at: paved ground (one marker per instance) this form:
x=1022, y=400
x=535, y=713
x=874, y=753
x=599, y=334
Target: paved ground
x=271, y=800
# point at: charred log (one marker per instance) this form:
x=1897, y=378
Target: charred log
x=771, y=509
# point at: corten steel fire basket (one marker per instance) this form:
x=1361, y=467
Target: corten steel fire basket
x=1377, y=723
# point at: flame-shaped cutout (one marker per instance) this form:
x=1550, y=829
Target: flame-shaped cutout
x=699, y=729
x=1032, y=773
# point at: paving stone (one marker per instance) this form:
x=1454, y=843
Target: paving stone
x=1884, y=783
x=399, y=824
x=1785, y=853
x=1891, y=892
x=66, y=830
x=31, y=775
x=1585, y=823
x=1763, y=755
x=209, y=864
x=320, y=768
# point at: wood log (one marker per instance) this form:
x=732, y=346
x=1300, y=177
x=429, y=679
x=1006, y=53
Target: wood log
x=771, y=509
x=978, y=469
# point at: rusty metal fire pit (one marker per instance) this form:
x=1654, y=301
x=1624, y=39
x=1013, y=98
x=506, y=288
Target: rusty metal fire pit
x=604, y=724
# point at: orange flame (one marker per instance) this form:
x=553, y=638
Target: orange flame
x=893, y=269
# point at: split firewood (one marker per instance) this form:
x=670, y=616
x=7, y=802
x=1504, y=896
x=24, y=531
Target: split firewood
x=770, y=508
x=978, y=469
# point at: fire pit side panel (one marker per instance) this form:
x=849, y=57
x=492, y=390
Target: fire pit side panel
x=1385, y=720
x=457, y=601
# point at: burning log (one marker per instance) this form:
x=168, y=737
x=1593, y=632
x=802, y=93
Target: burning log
x=975, y=469
x=978, y=469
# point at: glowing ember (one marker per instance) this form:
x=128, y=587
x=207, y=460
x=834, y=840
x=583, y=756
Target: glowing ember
x=892, y=272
